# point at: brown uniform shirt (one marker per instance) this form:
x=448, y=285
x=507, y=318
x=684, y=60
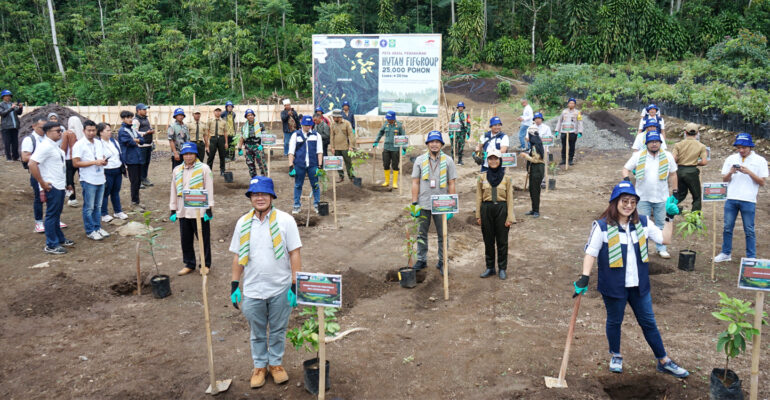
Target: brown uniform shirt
x=212, y=125
x=341, y=137
x=201, y=130
x=504, y=194
x=688, y=151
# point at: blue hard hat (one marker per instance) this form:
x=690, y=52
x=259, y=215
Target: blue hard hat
x=651, y=122
x=572, y=99
x=229, y=103
x=319, y=109
x=651, y=106
x=495, y=121
x=261, y=184
x=179, y=111
x=390, y=115
x=623, y=188
x=345, y=103
x=6, y=92
x=460, y=104
x=248, y=111
x=188, y=147
x=307, y=120
x=652, y=136
x=743, y=139
x=434, y=135
x=537, y=115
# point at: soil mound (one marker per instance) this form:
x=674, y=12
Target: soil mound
x=605, y=120
x=359, y=285
x=42, y=112
x=58, y=294
x=476, y=89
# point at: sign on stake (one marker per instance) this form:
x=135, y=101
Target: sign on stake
x=714, y=192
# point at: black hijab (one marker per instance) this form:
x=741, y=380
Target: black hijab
x=496, y=175
x=536, y=144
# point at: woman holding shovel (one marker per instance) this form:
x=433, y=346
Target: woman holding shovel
x=618, y=243
x=494, y=212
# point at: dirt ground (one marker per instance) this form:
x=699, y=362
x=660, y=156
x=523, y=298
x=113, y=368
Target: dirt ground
x=73, y=330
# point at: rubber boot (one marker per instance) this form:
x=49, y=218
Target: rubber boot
x=395, y=179
x=387, y=178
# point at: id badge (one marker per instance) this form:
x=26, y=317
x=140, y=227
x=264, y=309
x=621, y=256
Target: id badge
x=432, y=183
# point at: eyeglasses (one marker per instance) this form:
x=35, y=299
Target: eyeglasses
x=628, y=202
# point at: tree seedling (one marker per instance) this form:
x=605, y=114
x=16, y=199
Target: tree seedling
x=323, y=180
x=692, y=224
x=357, y=158
x=412, y=228
x=306, y=336
x=737, y=314
x=151, y=236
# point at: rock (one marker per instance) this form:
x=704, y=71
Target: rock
x=132, y=228
x=221, y=240
x=83, y=358
x=41, y=265
x=118, y=222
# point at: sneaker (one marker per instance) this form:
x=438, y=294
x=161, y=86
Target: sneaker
x=616, y=364
x=73, y=203
x=121, y=215
x=571, y=162
x=58, y=250
x=62, y=225
x=94, y=236
x=562, y=162
x=107, y=218
x=315, y=208
x=68, y=243
x=67, y=193
x=535, y=214
x=39, y=227
x=137, y=207
x=460, y=163
x=296, y=210
x=142, y=186
x=671, y=368
x=722, y=257
x=664, y=254
x=146, y=182
x=530, y=212
x=104, y=233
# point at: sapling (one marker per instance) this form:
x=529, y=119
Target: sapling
x=323, y=180
x=552, y=167
x=692, y=224
x=151, y=236
x=357, y=157
x=733, y=340
x=412, y=228
x=306, y=336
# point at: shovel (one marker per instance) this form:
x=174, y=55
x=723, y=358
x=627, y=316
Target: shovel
x=559, y=382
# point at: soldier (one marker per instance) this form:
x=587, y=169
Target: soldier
x=458, y=139
x=390, y=154
x=217, y=140
x=571, y=124
x=198, y=133
x=251, y=138
x=178, y=134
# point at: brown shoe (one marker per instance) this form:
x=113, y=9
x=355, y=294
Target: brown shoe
x=258, y=378
x=279, y=374
x=185, y=271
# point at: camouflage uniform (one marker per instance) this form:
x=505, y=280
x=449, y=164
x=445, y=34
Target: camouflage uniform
x=458, y=142
x=252, y=141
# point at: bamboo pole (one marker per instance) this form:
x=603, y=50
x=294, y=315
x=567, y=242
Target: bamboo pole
x=446, y=256
x=756, y=347
x=138, y=273
x=321, y=354
x=713, y=237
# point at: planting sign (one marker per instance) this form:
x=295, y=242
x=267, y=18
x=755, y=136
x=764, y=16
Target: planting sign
x=333, y=163
x=754, y=274
x=319, y=289
x=547, y=140
x=716, y=191
x=268, y=140
x=444, y=204
x=401, y=141
x=378, y=73
x=195, y=198
x=509, y=160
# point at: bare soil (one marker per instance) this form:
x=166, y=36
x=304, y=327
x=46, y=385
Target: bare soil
x=67, y=333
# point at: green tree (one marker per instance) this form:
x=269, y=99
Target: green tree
x=386, y=18
x=465, y=35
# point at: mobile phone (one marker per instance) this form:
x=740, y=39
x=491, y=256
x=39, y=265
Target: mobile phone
x=737, y=166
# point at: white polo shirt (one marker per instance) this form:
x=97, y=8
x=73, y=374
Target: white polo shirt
x=264, y=276
x=87, y=150
x=651, y=188
x=51, y=163
x=741, y=186
x=26, y=143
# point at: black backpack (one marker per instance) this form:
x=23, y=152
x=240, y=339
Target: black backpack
x=31, y=136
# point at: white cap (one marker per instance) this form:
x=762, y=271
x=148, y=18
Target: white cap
x=286, y=101
x=494, y=152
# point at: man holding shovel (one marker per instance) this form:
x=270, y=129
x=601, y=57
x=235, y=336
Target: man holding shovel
x=191, y=174
x=266, y=245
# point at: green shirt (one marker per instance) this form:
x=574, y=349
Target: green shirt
x=389, y=131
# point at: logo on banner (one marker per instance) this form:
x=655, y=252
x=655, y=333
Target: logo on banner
x=430, y=42
x=392, y=43
x=383, y=43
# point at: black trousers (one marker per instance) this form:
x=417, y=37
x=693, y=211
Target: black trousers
x=188, y=233
x=70, y=175
x=147, y=156
x=536, y=174
x=217, y=145
x=494, y=232
x=390, y=159
x=688, y=179
x=201, y=145
x=572, y=141
x=174, y=163
x=11, y=143
x=135, y=177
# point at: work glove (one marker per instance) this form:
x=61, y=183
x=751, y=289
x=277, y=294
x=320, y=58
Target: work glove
x=318, y=172
x=627, y=179
x=208, y=215
x=580, y=134
x=235, y=294
x=468, y=137
x=556, y=134
x=477, y=159
x=259, y=148
x=449, y=216
x=375, y=144
x=417, y=210
x=172, y=217
x=292, y=172
x=240, y=152
x=581, y=285
x=403, y=152
x=291, y=295
x=671, y=207
x=451, y=136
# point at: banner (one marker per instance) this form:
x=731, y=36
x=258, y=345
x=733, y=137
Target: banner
x=378, y=73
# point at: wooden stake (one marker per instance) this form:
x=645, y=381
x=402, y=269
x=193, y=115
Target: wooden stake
x=374, y=164
x=334, y=200
x=205, y=272
x=193, y=101
x=756, y=345
x=321, y=354
x=713, y=237
x=400, y=162
x=546, y=167
x=138, y=273
x=446, y=256
x=268, y=161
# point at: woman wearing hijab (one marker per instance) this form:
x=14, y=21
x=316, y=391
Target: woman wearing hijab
x=494, y=212
x=536, y=168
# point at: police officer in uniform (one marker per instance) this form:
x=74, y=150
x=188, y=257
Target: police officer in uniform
x=571, y=125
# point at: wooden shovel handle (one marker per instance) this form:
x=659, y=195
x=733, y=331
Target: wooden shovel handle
x=570, y=334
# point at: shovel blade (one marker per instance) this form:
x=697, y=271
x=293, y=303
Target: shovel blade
x=222, y=386
x=554, y=383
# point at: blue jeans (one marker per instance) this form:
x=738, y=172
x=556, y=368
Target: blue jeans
x=286, y=140
x=747, y=210
x=522, y=135
x=92, y=206
x=54, y=237
x=112, y=190
x=642, y=307
x=264, y=314
x=299, y=180
x=658, y=212
x=37, y=206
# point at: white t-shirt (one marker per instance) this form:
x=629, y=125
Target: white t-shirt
x=526, y=115
x=651, y=188
x=598, y=238
x=26, y=143
x=51, y=160
x=264, y=276
x=87, y=150
x=741, y=186
x=319, y=148
x=113, y=154
x=641, y=138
